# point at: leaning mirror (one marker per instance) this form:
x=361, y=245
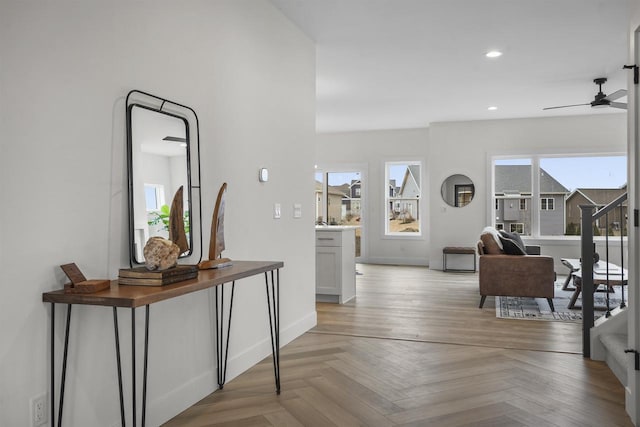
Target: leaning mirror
x=160, y=159
x=457, y=190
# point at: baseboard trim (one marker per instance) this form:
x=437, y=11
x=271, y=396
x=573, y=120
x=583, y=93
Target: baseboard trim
x=422, y=262
x=162, y=409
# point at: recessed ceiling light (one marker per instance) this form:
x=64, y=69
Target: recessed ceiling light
x=492, y=108
x=493, y=54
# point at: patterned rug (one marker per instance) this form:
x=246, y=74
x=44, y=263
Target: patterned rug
x=538, y=308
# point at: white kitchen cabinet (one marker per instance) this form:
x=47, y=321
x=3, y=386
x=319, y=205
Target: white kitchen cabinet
x=335, y=264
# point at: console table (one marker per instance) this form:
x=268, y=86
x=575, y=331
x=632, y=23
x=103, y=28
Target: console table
x=137, y=296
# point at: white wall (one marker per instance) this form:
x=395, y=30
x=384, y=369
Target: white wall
x=66, y=67
x=465, y=148
x=371, y=150
x=461, y=148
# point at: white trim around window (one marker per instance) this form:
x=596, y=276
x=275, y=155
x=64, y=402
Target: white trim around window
x=405, y=204
x=547, y=203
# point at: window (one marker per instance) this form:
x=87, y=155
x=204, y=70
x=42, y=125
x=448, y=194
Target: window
x=513, y=191
x=464, y=195
x=402, y=198
x=562, y=184
x=339, y=202
x=546, y=204
x=499, y=226
x=517, y=227
x=320, y=204
x=336, y=203
x=154, y=196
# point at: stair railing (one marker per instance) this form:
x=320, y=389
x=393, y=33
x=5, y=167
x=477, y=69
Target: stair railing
x=589, y=218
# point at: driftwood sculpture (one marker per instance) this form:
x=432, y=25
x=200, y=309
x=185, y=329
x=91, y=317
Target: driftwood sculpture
x=216, y=242
x=176, y=222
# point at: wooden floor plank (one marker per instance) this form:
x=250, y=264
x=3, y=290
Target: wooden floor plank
x=283, y=419
x=414, y=349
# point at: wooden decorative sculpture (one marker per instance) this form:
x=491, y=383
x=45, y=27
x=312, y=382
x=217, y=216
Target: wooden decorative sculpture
x=176, y=222
x=79, y=284
x=216, y=243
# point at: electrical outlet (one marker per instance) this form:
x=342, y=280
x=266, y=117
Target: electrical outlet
x=277, y=210
x=39, y=410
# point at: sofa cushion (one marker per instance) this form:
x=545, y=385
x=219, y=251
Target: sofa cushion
x=512, y=243
x=491, y=241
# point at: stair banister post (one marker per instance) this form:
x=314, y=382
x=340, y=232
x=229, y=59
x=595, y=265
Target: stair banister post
x=586, y=256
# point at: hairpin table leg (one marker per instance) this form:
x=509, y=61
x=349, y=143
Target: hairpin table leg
x=146, y=357
x=133, y=365
x=64, y=365
x=118, y=360
x=222, y=346
x=273, y=305
x=53, y=376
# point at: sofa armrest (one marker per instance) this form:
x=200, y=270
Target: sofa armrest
x=532, y=249
x=517, y=275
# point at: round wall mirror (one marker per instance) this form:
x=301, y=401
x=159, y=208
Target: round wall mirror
x=458, y=190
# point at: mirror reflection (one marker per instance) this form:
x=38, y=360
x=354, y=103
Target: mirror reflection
x=159, y=166
x=457, y=190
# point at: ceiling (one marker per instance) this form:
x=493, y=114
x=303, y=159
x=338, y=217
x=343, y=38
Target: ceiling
x=394, y=64
x=156, y=133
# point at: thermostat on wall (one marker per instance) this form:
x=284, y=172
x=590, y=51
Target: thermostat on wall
x=263, y=176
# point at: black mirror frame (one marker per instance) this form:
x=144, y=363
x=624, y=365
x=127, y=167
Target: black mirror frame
x=181, y=112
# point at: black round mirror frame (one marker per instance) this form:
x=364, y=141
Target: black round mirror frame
x=457, y=190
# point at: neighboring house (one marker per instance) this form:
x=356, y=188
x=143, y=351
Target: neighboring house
x=405, y=202
x=513, y=201
x=334, y=204
x=599, y=197
x=352, y=202
x=393, y=189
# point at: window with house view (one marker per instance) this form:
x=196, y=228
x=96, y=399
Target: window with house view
x=512, y=179
x=563, y=184
x=402, y=198
x=339, y=201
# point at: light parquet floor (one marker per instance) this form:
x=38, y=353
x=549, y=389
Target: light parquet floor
x=413, y=349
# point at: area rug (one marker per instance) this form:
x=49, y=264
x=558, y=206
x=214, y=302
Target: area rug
x=538, y=308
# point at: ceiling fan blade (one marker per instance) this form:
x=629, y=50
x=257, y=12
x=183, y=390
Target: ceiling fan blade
x=617, y=94
x=565, y=106
x=620, y=105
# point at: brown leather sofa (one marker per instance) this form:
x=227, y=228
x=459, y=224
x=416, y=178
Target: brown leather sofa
x=514, y=275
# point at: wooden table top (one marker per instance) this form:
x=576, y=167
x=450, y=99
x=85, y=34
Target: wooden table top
x=137, y=296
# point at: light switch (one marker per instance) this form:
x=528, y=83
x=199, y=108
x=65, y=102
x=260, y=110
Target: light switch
x=277, y=211
x=297, y=210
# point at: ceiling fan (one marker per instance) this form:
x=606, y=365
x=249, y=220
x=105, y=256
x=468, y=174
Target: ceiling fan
x=601, y=99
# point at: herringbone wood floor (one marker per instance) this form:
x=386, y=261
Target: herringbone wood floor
x=413, y=349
